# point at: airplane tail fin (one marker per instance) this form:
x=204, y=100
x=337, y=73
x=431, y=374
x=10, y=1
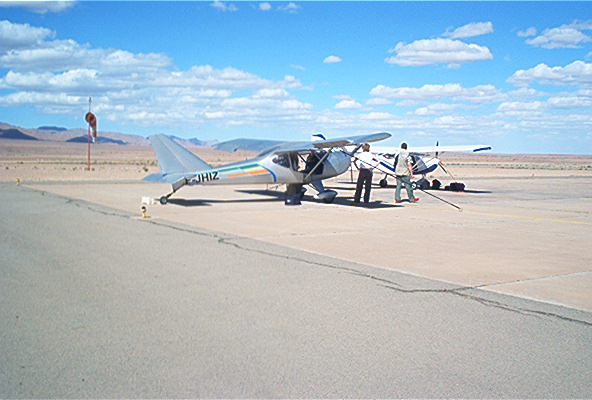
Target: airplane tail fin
x=317, y=137
x=174, y=158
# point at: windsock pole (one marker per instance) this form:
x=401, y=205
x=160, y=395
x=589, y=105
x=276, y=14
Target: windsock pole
x=89, y=103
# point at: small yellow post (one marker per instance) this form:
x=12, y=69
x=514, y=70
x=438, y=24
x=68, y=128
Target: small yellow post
x=144, y=211
x=18, y=181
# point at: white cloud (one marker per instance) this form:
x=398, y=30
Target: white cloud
x=454, y=91
x=291, y=8
x=272, y=93
x=265, y=6
x=437, y=51
x=470, y=30
x=41, y=7
x=435, y=109
x=576, y=73
x=566, y=36
x=222, y=6
x=570, y=101
x=332, y=60
x=348, y=105
x=532, y=31
x=524, y=93
x=514, y=106
x=61, y=55
x=21, y=36
x=54, y=76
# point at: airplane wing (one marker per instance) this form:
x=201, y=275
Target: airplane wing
x=290, y=147
x=432, y=149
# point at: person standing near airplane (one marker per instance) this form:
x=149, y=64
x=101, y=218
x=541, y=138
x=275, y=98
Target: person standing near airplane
x=404, y=173
x=367, y=163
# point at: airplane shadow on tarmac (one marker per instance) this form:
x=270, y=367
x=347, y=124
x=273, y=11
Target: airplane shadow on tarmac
x=339, y=200
x=272, y=196
x=378, y=187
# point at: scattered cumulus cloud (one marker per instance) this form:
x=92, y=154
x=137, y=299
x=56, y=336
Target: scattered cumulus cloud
x=291, y=8
x=265, y=6
x=332, y=60
x=21, y=36
x=532, y=31
x=436, y=109
x=223, y=6
x=57, y=76
x=454, y=91
x=348, y=105
x=444, y=50
x=148, y=90
x=437, y=51
x=470, y=30
x=41, y=7
x=566, y=36
x=576, y=73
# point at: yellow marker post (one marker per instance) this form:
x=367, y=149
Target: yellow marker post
x=18, y=181
x=144, y=210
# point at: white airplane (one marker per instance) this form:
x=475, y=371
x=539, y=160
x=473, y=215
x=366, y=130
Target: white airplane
x=422, y=164
x=279, y=164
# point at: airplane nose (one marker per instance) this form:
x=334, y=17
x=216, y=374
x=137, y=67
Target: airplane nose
x=341, y=161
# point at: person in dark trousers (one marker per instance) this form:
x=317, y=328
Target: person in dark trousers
x=365, y=163
x=404, y=173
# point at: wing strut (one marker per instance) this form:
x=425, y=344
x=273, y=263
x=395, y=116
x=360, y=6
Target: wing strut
x=322, y=160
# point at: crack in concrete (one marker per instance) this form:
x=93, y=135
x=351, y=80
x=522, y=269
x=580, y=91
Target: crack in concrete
x=530, y=279
x=232, y=241
x=457, y=291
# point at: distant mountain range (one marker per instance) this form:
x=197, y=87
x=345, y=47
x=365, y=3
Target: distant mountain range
x=59, y=134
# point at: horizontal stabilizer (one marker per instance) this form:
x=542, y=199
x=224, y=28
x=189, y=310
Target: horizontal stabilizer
x=168, y=178
x=174, y=158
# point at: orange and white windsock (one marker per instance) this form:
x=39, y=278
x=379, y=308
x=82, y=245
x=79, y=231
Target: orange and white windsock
x=92, y=122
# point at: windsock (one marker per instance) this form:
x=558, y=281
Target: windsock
x=92, y=122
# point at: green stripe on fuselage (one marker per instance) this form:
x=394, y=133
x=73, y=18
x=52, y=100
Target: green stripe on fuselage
x=243, y=167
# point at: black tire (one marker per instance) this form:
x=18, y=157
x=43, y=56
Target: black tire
x=383, y=183
x=164, y=200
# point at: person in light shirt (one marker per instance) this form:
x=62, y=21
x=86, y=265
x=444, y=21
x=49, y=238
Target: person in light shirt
x=365, y=162
x=404, y=173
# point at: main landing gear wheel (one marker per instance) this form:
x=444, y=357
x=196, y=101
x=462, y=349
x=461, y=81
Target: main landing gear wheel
x=164, y=200
x=383, y=183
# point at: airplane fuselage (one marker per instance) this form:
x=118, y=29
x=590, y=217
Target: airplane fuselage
x=272, y=168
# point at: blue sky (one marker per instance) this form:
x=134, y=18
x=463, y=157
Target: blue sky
x=514, y=75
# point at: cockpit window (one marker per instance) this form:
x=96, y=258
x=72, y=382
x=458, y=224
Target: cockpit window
x=282, y=160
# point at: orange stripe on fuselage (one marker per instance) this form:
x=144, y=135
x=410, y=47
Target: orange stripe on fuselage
x=261, y=171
